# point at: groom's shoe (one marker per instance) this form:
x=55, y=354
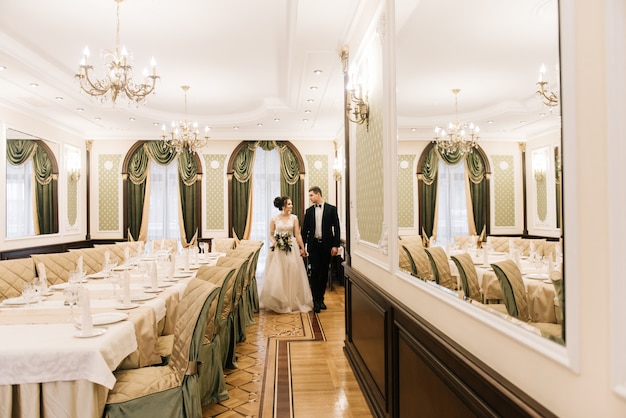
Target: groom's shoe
x=323, y=306
x=316, y=308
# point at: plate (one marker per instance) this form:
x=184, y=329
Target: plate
x=121, y=306
x=140, y=297
x=153, y=291
x=20, y=301
x=161, y=284
x=182, y=275
x=60, y=286
x=108, y=318
x=121, y=268
x=537, y=276
x=99, y=275
x=94, y=333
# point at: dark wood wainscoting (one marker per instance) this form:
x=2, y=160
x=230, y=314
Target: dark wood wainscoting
x=408, y=368
x=50, y=249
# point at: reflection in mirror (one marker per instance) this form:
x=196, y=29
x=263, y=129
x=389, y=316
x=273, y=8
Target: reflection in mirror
x=31, y=186
x=479, y=201
x=72, y=168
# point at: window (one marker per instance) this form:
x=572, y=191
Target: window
x=164, y=202
x=451, y=202
x=20, y=195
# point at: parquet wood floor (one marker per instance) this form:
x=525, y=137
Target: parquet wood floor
x=293, y=365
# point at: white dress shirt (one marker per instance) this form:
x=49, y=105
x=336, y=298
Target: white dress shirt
x=319, y=210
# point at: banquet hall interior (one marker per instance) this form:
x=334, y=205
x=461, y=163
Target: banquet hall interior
x=473, y=151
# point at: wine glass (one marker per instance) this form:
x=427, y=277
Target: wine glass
x=71, y=299
x=115, y=279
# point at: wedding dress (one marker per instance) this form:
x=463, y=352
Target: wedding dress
x=285, y=284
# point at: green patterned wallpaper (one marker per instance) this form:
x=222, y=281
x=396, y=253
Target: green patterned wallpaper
x=214, y=180
x=108, y=192
x=317, y=173
x=369, y=157
x=504, y=190
x=406, y=191
x=72, y=201
x=542, y=199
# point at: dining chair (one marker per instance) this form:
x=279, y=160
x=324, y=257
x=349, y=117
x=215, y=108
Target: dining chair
x=468, y=275
x=441, y=267
x=501, y=244
x=57, y=265
x=242, y=313
x=171, y=390
x=404, y=258
x=13, y=275
x=556, y=277
x=221, y=245
x=525, y=245
x=410, y=239
x=515, y=299
x=228, y=321
x=93, y=258
x=252, y=289
x=419, y=261
x=462, y=241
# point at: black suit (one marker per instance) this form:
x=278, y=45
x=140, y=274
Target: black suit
x=319, y=250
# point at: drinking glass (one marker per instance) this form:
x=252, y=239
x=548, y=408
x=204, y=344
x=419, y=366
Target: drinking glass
x=71, y=299
x=28, y=293
x=115, y=279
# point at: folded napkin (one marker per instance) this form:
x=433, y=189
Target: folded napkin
x=126, y=288
x=79, y=265
x=186, y=259
x=107, y=257
x=126, y=254
x=41, y=272
x=485, y=256
x=85, y=305
x=154, y=278
x=425, y=240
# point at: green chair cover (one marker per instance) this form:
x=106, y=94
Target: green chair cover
x=469, y=278
x=441, y=267
x=513, y=290
x=212, y=382
x=171, y=390
x=227, y=323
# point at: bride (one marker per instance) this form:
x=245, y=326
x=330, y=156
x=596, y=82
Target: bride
x=286, y=285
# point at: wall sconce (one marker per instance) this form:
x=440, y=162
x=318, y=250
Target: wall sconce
x=337, y=165
x=73, y=166
x=74, y=174
x=357, y=109
x=549, y=98
x=539, y=166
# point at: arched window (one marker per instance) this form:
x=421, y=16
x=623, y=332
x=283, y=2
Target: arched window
x=441, y=175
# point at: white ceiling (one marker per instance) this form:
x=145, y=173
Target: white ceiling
x=250, y=62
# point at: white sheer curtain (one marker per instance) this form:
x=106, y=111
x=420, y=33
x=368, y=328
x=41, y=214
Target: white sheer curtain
x=451, y=202
x=19, y=200
x=266, y=186
x=164, y=201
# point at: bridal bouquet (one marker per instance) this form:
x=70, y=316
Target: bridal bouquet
x=283, y=242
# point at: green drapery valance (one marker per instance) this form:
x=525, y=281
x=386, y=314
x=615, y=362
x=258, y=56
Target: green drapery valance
x=20, y=150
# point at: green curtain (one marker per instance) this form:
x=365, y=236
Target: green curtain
x=478, y=188
x=137, y=174
x=451, y=158
x=20, y=150
x=428, y=195
x=290, y=184
x=187, y=177
x=241, y=187
x=44, y=192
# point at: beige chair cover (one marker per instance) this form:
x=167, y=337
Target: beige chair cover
x=469, y=278
x=441, y=267
x=13, y=275
x=242, y=319
x=171, y=390
x=58, y=265
x=93, y=258
x=221, y=245
x=420, y=263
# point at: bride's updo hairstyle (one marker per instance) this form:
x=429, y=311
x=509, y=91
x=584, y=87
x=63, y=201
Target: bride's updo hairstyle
x=280, y=201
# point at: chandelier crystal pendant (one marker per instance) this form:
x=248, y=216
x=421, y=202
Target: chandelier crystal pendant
x=460, y=138
x=119, y=74
x=185, y=134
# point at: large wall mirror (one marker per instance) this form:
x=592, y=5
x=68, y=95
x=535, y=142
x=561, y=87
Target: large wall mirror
x=31, y=185
x=494, y=64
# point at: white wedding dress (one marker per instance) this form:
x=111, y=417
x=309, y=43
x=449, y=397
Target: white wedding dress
x=285, y=284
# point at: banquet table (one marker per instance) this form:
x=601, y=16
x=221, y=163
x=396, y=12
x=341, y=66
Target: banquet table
x=48, y=368
x=539, y=289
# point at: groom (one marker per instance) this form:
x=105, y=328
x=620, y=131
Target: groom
x=321, y=233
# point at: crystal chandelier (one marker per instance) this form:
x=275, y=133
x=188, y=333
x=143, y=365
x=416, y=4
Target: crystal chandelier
x=185, y=134
x=460, y=138
x=119, y=74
